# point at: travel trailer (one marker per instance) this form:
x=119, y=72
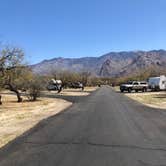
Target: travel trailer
x=157, y=83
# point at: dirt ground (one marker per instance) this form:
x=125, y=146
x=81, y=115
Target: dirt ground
x=16, y=118
x=151, y=99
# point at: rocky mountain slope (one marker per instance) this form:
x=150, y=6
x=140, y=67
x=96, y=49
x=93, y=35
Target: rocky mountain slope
x=109, y=65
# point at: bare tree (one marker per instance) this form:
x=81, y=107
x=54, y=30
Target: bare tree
x=0, y=89
x=11, y=65
x=84, y=77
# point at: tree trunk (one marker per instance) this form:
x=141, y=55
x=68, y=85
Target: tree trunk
x=34, y=97
x=0, y=100
x=11, y=88
x=19, y=99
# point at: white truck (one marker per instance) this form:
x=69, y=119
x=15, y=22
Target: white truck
x=134, y=85
x=157, y=83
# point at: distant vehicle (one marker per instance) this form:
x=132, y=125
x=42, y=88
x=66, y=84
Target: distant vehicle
x=157, y=83
x=55, y=85
x=76, y=85
x=134, y=85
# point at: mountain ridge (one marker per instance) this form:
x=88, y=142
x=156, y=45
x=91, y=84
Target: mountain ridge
x=112, y=64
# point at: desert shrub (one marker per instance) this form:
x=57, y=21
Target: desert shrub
x=34, y=86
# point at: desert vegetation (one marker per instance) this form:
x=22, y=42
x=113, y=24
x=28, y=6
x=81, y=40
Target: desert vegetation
x=68, y=77
x=16, y=76
x=140, y=75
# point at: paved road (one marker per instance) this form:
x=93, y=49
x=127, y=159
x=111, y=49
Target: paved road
x=104, y=129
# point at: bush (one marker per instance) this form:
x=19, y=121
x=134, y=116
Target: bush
x=33, y=91
x=34, y=87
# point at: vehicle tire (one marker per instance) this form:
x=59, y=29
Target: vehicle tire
x=144, y=90
x=122, y=91
x=136, y=90
x=129, y=90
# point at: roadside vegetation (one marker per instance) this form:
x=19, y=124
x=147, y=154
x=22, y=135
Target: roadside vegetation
x=140, y=75
x=16, y=76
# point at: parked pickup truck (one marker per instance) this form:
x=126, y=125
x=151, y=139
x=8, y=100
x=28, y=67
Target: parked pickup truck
x=134, y=85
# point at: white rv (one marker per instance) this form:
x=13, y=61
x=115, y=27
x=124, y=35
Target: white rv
x=157, y=83
x=55, y=85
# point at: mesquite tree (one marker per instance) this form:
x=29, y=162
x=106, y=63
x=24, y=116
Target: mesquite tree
x=11, y=69
x=0, y=89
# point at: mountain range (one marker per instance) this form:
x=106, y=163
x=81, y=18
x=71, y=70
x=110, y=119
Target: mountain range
x=112, y=64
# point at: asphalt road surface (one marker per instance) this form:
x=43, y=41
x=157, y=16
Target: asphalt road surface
x=103, y=129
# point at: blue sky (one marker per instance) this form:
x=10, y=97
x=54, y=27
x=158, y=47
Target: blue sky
x=76, y=28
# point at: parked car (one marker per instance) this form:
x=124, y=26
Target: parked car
x=157, y=83
x=134, y=85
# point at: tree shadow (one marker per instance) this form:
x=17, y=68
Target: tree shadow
x=70, y=98
x=73, y=99
x=19, y=141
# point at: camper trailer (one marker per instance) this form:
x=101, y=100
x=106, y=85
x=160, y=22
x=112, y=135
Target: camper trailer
x=157, y=83
x=55, y=85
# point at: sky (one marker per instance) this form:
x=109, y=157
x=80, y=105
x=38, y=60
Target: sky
x=46, y=29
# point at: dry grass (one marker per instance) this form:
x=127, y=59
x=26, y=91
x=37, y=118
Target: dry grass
x=16, y=118
x=78, y=92
x=151, y=99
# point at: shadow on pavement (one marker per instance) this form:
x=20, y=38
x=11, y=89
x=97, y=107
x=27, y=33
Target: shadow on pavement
x=17, y=142
x=73, y=99
x=70, y=98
